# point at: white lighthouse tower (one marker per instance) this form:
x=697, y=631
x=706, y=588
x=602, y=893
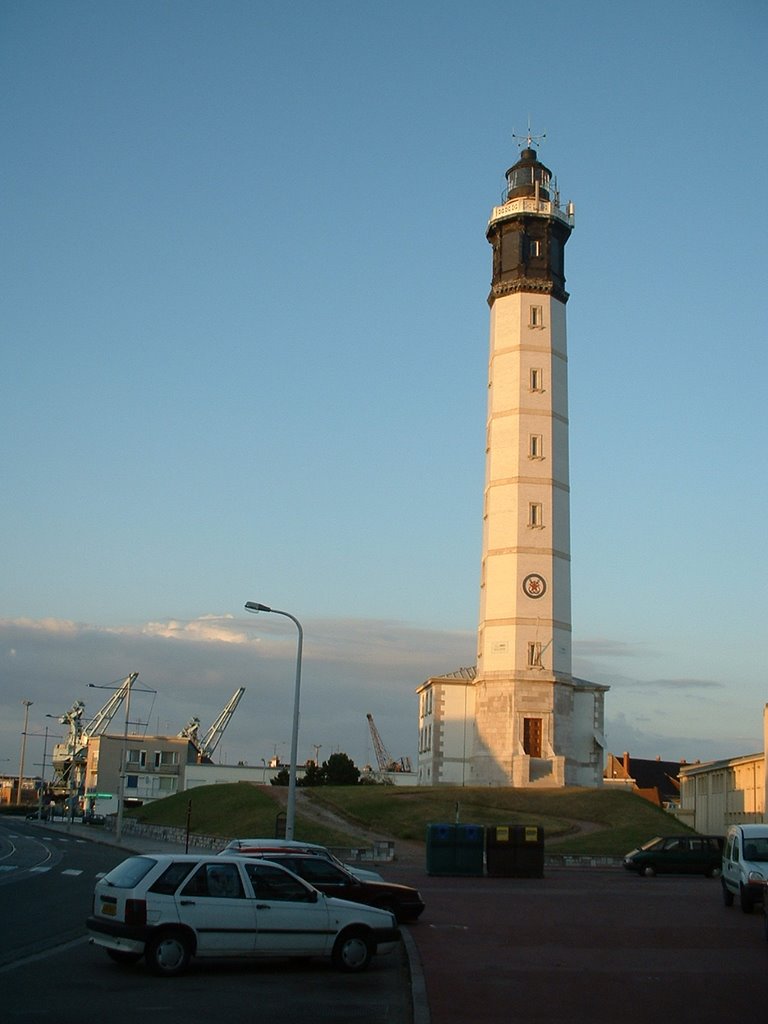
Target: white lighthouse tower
x=527, y=720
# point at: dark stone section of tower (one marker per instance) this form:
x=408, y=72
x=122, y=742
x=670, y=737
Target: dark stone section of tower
x=529, y=247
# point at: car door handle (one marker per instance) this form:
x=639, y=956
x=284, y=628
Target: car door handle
x=263, y=906
x=187, y=903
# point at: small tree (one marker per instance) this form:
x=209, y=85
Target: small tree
x=340, y=770
x=281, y=779
x=314, y=775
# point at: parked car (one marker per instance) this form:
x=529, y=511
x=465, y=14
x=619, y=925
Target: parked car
x=689, y=854
x=171, y=907
x=403, y=901
x=745, y=865
x=265, y=847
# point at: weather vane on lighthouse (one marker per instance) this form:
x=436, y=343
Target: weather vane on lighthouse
x=528, y=138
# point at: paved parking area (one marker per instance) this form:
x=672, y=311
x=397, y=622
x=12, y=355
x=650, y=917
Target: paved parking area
x=579, y=946
x=586, y=946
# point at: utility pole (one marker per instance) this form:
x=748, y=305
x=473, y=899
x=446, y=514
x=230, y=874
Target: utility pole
x=27, y=705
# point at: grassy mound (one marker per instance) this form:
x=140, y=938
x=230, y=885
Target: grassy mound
x=616, y=819
x=231, y=810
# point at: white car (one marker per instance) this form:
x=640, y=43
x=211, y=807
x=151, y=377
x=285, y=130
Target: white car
x=266, y=846
x=171, y=907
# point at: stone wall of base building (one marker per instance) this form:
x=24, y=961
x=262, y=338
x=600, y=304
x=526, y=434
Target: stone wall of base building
x=168, y=834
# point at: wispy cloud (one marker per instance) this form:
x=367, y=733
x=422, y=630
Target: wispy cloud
x=680, y=684
x=597, y=647
x=206, y=629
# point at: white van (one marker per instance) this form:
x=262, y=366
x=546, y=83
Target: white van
x=745, y=865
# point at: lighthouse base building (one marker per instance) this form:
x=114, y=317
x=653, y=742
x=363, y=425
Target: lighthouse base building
x=520, y=717
x=505, y=733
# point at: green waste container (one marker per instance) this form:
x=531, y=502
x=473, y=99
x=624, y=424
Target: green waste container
x=515, y=851
x=455, y=849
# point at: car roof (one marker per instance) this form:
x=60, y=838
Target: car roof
x=278, y=844
x=293, y=854
x=194, y=858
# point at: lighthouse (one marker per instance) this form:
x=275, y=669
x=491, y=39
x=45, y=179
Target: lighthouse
x=520, y=717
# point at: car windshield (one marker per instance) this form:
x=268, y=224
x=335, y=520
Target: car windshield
x=653, y=844
x=128, y=874
x=755, y=849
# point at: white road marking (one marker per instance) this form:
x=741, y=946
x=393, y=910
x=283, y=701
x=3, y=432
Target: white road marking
x=41, y=869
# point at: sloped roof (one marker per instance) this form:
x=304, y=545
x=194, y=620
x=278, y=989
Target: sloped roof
x=648, y=774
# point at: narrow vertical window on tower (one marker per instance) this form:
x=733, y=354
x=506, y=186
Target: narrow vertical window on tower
x=535, y=446
x=535, y=515
x=536, y=317
x=534, y=655
x=535, y=379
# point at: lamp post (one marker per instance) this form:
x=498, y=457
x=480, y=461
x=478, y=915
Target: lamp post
x=27, y=705
x=42, y=777
x=290, y=818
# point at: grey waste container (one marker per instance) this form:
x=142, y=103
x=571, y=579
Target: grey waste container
x=455, y=849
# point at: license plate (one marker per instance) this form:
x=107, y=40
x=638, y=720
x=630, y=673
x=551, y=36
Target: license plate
x=108, y=909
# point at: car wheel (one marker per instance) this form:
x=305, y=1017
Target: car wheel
x=745, y=900
x=122, y=956
x=168, y=953
x=352, y=951
x=649, y=871
x=727, y=895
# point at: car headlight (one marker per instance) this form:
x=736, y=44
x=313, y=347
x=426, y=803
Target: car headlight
x=756, y=878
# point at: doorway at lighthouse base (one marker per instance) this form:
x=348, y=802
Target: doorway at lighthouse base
x=516, y=733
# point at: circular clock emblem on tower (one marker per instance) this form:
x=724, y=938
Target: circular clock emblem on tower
x=534, y=585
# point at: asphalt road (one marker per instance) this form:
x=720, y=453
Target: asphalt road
x=49, y=971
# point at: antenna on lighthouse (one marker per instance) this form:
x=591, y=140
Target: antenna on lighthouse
x=529, y=138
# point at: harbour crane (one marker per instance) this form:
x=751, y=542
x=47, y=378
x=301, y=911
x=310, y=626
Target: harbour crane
x=206, y=746
x=70, y=756
x=385, y=762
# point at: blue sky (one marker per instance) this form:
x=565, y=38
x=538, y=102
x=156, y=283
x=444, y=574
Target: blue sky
x=245, y=341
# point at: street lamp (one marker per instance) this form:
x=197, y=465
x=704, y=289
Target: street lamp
x=290, y=818
x=27, y=705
